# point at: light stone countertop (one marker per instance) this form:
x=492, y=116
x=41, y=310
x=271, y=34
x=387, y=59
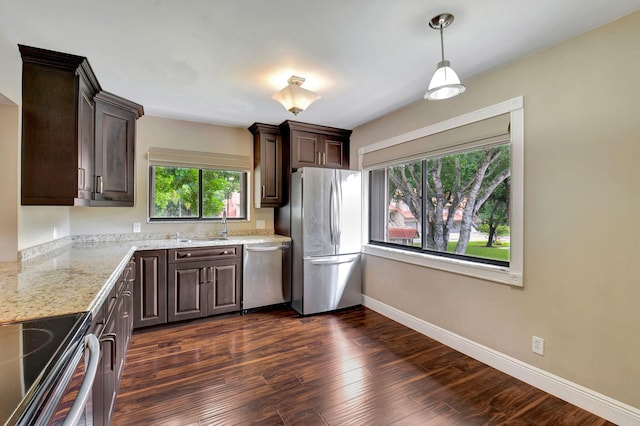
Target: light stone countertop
x=79, y=277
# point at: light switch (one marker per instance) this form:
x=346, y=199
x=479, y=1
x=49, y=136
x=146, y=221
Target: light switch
x=136, y=226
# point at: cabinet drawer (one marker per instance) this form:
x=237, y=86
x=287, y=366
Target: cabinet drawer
x=206, y=253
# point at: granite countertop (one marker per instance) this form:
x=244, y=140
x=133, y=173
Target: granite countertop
x=78, y=277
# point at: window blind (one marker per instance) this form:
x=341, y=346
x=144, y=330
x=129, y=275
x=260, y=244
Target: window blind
x=486, y=132
x=198, y=159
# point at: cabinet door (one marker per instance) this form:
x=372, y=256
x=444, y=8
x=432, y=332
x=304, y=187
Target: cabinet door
x=109, y=350
x=224, y=291
x=85, y=141
x=305, y=149
x=187, y=290
x=124, y=308
x=335, y=153
x=122, y=332
x=150, y=288
x=268, y=169
x=114, y=155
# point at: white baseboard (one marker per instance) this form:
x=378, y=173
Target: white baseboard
x=587, y=399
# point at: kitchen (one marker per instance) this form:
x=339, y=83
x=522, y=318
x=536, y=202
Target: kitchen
x=585, y=311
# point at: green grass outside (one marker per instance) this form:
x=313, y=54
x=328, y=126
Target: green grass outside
x=478, y=249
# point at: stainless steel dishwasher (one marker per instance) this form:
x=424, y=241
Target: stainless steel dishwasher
x=266, y=277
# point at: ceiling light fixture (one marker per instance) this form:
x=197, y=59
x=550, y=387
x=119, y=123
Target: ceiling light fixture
x=293, y=97
x=445, y=83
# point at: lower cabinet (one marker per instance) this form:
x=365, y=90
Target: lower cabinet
x=204, y=282
x=112, y=326
x=224, y=292
x=187, y=283
x=150, y=288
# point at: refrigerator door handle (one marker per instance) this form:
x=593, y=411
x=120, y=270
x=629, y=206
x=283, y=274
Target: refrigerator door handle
x=335, y=260
x=338, y=212
x=332, y=214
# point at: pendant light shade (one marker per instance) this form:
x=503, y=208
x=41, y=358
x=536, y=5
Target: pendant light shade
x=445, y=83
x=294, y=98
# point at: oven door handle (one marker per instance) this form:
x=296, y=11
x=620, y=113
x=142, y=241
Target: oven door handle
x=77, y=409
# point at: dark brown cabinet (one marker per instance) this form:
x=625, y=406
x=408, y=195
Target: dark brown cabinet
x=204, y=281
x=57, y=128
x=187, y=290
x=112, y=325
x=316, y=146
x=268, y=165
x=150, y=288
x=115, y=130
x=77, y=141
x=224, y=292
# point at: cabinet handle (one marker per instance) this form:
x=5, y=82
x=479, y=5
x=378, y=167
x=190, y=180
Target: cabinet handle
x=263, y=191
x=203, y=271
x=324, y=158
x=319, y=162
x=82, y=178
x=111, y=337
x=210, y=274
x=99, y=184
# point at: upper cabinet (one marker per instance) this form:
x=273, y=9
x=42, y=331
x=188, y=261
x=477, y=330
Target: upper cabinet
x=316, y=146
x=77, y=140
x=115, y=130
x=267, y=165
x=57, y=128
x=279, y=150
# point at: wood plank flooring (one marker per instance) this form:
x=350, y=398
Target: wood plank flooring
x=353, y=367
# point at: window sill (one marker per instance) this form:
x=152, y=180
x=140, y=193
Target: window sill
x=497, y=274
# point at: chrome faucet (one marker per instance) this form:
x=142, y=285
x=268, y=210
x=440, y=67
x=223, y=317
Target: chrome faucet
x=223, y=233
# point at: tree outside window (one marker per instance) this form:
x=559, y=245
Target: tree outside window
x=455, y=204
x=183, y=193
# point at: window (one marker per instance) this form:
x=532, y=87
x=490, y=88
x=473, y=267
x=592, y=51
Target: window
x=454, y=205
x=196, y=185
x=449, y=196
x=183, y=193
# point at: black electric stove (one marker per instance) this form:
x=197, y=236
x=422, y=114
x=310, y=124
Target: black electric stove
x=34, y=356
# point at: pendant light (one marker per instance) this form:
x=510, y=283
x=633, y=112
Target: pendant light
x=445, y=83
x=293, y=97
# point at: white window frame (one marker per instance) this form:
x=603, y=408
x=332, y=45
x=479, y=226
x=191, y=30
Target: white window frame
x=513, y=274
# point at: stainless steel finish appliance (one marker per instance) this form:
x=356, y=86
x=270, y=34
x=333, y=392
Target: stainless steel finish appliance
x=38, y=360
x=326, y=231
x=265, y=280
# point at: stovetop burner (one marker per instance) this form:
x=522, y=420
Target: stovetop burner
x=36, y=338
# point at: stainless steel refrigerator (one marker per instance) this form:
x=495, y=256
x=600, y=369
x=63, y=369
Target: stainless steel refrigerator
x=326, y=207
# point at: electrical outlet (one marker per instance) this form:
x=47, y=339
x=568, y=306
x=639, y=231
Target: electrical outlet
x=260, y=224
x=136, y=226
x=537, y=345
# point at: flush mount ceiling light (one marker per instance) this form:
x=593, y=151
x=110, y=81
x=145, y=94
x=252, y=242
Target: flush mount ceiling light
x=293, y=97
x=445, y=83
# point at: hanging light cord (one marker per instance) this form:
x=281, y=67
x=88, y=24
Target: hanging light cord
x=441, y=42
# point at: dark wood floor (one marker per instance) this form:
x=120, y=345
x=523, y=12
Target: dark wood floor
x=353, y=367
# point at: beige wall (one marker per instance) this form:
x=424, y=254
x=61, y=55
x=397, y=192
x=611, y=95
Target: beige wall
x=582, y=145
x=177, y=134
x=9, y=126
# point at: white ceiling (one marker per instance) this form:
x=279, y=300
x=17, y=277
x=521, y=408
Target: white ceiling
x=220, y=61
